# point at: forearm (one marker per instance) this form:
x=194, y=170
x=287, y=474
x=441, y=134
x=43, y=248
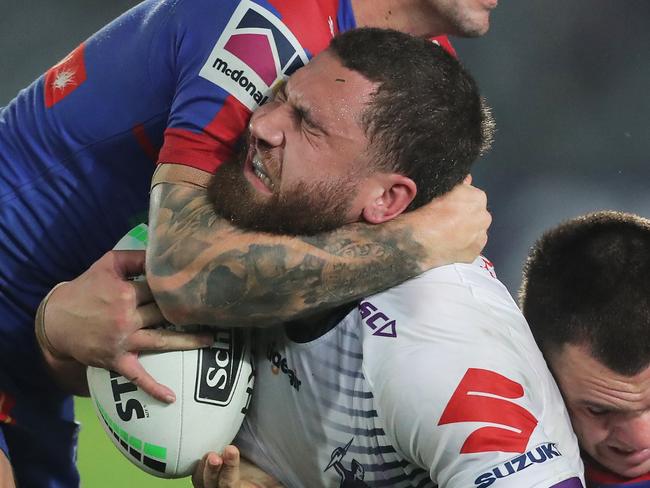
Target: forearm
x=201, y=269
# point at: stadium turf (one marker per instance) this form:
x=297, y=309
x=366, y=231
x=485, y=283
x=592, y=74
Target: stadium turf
x=100, y=463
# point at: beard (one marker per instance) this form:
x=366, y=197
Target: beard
x=304, y=209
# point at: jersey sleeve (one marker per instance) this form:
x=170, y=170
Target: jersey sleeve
x=226, y=56
x=455, y=394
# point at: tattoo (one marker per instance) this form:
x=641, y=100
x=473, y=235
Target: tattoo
x=204, y=270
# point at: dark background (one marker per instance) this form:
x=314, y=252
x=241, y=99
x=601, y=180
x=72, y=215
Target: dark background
x=568, y=81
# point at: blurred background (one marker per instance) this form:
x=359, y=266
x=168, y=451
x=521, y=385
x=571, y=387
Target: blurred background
x=569, y=85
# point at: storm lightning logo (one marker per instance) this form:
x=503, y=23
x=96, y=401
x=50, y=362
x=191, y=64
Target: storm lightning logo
x=254, y=51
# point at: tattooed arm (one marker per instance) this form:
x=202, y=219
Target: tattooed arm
x=202, y=269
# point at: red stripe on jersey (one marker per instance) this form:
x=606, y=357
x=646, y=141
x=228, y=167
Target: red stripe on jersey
x=444, y=42
x=65, y=77
x=145, y=142
x=208, y=149
x=7, y=403
x=314, y=34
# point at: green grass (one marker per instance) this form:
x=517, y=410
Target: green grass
x=101, y=465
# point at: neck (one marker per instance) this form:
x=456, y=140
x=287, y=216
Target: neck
x=415, y=17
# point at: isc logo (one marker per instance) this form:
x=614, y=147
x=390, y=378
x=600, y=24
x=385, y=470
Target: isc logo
x=377, y=321
x=219, y=367
x=125, y=410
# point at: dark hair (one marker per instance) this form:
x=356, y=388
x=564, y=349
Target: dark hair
x=587, y=282
x=426, y=119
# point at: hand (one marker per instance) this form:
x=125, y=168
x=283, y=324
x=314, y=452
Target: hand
x=454, y=226
x=227, y=471
x=99, y=319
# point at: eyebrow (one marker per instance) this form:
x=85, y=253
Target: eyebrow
x=304, y=112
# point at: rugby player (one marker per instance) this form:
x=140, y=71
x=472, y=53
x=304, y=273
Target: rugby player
x=435, y=382
x=174, y=81
x=586, y=296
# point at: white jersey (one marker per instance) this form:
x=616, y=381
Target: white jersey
x=437, y=381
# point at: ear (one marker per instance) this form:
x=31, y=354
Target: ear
x=393, y=194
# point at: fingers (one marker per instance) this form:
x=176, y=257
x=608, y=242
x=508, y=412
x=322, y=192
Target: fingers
x=206, y=474
x=146, y=316
x=129, y=366
x=229, y=475
x=142, y=292
x=127, y=263
x=168, y=340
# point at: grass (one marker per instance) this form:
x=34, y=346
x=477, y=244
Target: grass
x=101, y=465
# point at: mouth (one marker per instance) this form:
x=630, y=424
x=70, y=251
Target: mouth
x=260, y=171
x=257, y=173
x=631, y=457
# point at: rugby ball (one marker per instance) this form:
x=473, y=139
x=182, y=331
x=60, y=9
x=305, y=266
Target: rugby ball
x=213, y=387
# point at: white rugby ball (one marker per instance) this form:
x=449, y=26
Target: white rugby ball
x=213, y=387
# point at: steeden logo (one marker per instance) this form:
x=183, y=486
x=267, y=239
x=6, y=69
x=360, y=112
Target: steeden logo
x=253, y=52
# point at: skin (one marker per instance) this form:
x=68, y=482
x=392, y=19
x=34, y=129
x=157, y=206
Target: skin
x=464, y=18
x=610, y=412
x=203, y=270
x=6, y=473
x=127, y=308
x=297, y=144
x=229, y=470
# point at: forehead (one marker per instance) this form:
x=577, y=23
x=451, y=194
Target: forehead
x=584, y=378
x=330, y=91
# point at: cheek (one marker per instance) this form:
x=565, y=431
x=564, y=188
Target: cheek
x=589, y=429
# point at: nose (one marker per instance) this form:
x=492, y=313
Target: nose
x=633, y=432
x=267, y=124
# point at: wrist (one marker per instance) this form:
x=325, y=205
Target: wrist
x=40, y=330
x=419, y=239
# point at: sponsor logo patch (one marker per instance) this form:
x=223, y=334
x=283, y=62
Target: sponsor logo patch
x=65, y=77
x=279, y=364
x=377, y=321
x=220, y=367
x=254, y=51
x=537, y=455
x=485, y=396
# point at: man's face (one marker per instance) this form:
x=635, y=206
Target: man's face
x=303, y=166
x=465, y=18
x=610, y=412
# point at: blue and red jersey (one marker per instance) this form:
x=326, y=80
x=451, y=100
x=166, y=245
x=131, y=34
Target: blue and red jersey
x=598, y=477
